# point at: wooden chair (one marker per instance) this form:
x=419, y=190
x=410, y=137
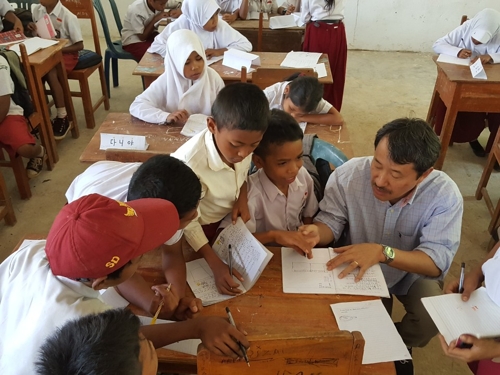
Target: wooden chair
x=481, y=191
x=6, y=208
x=338, y=353
x=85, y=10
x=265, y=77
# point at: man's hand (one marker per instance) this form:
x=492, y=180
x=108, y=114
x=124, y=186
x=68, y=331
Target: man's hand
x=170, y=300
x=485, y=59
x=178, y=117
x=230, y=17
x=223, y=280
x=464, y=53
x=188, y=308
x=220, y=337
x=472, y=281
x=361, y=256
x=296, y=240
x=481, y=348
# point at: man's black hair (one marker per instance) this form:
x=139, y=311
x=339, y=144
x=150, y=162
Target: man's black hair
x=103, y=344
x=241, y=106
x=411, y=141
x=282, y=128
x=166, y=177
x=305, y=92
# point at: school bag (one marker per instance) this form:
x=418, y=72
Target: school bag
x=319, y=170
x=24, y=16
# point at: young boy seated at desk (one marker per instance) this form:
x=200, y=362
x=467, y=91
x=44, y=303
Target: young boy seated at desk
x=164, y=177
x=281, y=193
x=66, y=26
x=94, y=243
x=221, y=157
x=7, y=13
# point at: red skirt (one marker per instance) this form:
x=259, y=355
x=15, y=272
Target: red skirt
x=139, y=49
x=485, y=367
x=330, y=39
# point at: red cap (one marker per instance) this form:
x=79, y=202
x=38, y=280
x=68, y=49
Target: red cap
x=94, y=235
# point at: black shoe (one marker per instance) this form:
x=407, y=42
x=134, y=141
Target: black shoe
x=35, y=165
x=404, y=367
x=477, y=149
x=60, y=127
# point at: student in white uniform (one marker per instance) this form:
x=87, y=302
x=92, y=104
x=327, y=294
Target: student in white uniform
x=476, y=38
x=302, y=97
x=162, y=177
x=188, y=86
x=269, y=7
x=201, y=16
x=231, y=10
x=174, y=8
x=7, y=12
x=289, y=7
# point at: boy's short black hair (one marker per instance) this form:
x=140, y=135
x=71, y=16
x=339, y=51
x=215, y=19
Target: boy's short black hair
x=411, y=141
x=242, y=106
x=104, y=344
x=166, y=177
x=282, y=128
x=305, y=92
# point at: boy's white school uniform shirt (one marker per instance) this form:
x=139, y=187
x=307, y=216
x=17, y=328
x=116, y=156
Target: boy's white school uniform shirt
x=7, y=88
x=220, y=184
x=314, y=10
x=276, y=94
x=491, y=272
x=5, y=7
x=33, y=303
x=229, y=6
x=137, y=17
x=110, y=179
x=65, y=22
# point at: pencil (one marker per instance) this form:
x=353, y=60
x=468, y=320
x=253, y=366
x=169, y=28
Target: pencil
x=153, y=321
x=242, y=348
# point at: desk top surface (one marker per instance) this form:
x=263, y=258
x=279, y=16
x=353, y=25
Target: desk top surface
x=164, y=139
x=461, y=73
x=249, y=24
x=41, y=56
x=152, y=65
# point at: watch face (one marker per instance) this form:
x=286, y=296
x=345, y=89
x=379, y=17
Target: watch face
x=389, y=251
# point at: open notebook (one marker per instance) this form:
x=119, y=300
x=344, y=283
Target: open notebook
x=250, y=258
x=310, y=276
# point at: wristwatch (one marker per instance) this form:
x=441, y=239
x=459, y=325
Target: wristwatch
x=388, y=253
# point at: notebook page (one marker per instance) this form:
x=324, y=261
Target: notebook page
x=479, y=316
x=374, y=323
x=453, y=60
x=301, y=59
x=32, y=45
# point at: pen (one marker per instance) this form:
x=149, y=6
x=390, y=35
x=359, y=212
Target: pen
x=243, y=350
x=230, y=260
x=153, y=321
x=462, y=275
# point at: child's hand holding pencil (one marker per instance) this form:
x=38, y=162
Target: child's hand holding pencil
x=165, y=301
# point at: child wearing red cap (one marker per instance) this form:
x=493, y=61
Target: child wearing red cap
x=94, y=243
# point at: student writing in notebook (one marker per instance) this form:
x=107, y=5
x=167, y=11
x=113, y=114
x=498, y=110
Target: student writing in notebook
x=302, y=97
x=94, y=243
x=402, y=214
x=139, y=25
x=221, y=157
x=174, y=8
x=201, y=16
x=188, y=86
x=281, y=193
x=479, y=356
x=7, y=12
x=162, y=177
x=478, y=38
x=67, y=27
x=266, y=6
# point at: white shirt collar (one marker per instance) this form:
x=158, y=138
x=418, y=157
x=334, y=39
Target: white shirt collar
x=271, y=189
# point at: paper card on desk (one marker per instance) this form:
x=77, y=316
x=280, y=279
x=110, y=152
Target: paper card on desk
x=45, y=28
x=372, y=320
x=310, y=276
x=123, y=142
x=214, y=59
x=301, y=59
x=184, y=346
x=453, y=60
x=477, y=70
x=194, y=125
x=33, y=45
x=282, y=22
x=255, y=15
x=10, y=37
x=479, y=316
x=320, y=69
x=235, y=59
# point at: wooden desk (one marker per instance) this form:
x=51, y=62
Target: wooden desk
x=151, y=67
x=166, y=139
x=459, y=92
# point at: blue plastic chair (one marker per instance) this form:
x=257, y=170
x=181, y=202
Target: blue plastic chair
x=115, y=51
x=116, y=15
x=326, y=151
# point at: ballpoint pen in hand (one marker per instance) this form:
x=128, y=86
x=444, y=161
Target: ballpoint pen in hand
x=230, y=260
x=462, y=276
x=242, y=348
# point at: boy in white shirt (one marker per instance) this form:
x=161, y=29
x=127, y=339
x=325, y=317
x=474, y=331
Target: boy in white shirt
x=164, y=177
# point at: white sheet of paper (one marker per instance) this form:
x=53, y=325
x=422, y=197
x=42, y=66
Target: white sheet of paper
x=123, y=142
x=296, y=16
x=477, y=70
x=282, y=22
x=320, y=69
x=301, y=59
x=184, y=346
x=310, y=276
x=255, y=15
x=235, y=59
x=33, y=44
x=214, y=59
x=373, y=321
x=195, y=124
x=45, y=28
x=112, y=298
x=453, y=60
x=479, y=316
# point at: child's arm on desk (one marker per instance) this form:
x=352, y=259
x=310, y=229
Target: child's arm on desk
x=332, y=117
x=295, y=240
x=78, y=46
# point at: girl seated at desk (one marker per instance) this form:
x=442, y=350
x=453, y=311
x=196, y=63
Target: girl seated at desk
x=201, y=16
x=188, y=85
x=302, y=97
x=476, y=38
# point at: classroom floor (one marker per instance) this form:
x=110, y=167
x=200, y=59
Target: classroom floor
x=380, y=87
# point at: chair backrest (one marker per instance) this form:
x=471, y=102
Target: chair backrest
x=265, y=77
x=326, y=151
x=338, y=353
x=116, y=15
x=104, y=23
x=463, y=19
x=83, y=9
x=24, y=4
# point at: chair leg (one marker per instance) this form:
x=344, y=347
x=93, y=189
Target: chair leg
x=8, y=212
x=103, y=88
x=22, y=180
x=114, y=63
x=87, y=103
x=107, y=57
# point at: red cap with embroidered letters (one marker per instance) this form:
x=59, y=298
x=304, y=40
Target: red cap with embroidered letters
x=95, y=235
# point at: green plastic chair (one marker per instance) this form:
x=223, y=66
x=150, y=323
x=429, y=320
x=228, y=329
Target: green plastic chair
x=326, y=151
x=116, y=15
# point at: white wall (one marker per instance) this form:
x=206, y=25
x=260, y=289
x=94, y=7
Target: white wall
x=382, y=25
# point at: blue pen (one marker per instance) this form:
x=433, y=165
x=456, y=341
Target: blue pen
x=462, y=276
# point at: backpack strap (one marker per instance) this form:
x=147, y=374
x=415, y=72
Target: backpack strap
x=307, y=143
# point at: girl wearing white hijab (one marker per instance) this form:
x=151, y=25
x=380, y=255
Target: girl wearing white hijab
x=188, y=86
x=476, y=38
x=201, y=16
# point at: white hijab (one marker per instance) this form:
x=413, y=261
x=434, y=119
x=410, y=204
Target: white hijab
x=485, y=25
x=182, y=93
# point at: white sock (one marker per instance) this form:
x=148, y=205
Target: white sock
x=42, y=152
x=61, y=112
